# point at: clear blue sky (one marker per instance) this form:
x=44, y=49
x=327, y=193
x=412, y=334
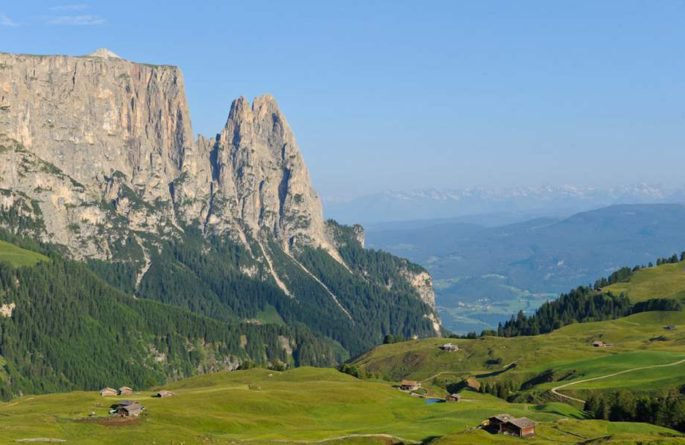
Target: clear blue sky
x=415, y=94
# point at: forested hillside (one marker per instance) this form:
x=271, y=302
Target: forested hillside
x=662, y=288
x=355, y=308
x=83, y=325
x=68, y=329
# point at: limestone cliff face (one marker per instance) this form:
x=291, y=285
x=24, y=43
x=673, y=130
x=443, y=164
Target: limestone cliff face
x=93, y=116
x=258, y=164
x=122, y=132
x=96, y=151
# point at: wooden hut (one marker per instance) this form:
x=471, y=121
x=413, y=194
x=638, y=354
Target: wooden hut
x=108, y=392
x=127, y=408
x=410, y=385
x=125, y=391
x=472, y=383
x=521, y=427
x=453, y=398
x=164, y=393
x=495, y=422
x=506, y=424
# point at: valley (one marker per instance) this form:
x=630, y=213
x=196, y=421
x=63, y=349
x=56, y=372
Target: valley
x=484, y=274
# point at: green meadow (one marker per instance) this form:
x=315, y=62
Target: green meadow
x=304, y=405
x=633, y=342
x=570, y=431
x=665, y=281
x=17, y=257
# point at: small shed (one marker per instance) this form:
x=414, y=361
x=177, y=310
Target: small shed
x=453, y=398
x=127, y=408
x=410, y=385
x=164, y=393
x=472, y=383
x=125, y=391
x=495, y=422
x=521, y=427
x=108, y=392
x=506, y=424
x=449, y=347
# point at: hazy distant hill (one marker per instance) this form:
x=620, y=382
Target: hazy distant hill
x=493, y=206
x=483, y=274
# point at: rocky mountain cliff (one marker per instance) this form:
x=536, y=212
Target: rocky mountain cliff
x=112, y=127
x=97, y=155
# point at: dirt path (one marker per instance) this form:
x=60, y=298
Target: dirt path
x=505, y=368
x=441, y=373
x=556, y=392
x=337, y=438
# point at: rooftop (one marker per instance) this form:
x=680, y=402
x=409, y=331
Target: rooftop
x=522, y=422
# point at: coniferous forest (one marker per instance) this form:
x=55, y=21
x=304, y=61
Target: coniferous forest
x=86, y=325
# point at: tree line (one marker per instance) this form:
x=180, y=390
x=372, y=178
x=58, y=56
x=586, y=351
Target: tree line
x=666, y=408
x=586, y=304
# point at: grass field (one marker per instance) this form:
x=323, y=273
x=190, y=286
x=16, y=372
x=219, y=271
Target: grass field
x=635, y=341
x=302, y=405
x=18, y=257
x=665, y=281
x=568, y=431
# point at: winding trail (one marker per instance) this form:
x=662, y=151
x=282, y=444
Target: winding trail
x=556, y=392
x=337, y=438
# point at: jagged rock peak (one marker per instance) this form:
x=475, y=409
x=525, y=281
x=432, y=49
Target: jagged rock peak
x=262, y=106
x=260, y=163
x=104, y=53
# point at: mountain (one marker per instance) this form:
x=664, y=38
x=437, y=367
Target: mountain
x=493, y=206
x=484, y=274
x=82, y=131
x=99, y=164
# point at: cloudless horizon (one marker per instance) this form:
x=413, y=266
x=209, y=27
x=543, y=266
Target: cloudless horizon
x=402, y=95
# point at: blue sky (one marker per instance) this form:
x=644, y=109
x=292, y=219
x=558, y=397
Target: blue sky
x=399, y=95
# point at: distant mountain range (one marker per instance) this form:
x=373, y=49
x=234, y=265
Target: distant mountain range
x=484, y=274
x=494, y=206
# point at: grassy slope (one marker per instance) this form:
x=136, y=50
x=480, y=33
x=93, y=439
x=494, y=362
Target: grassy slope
x=569, y=431
x=665, y=281
x=568, y=349
x=305, y=404
x=636, y=341
x=17, y=256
